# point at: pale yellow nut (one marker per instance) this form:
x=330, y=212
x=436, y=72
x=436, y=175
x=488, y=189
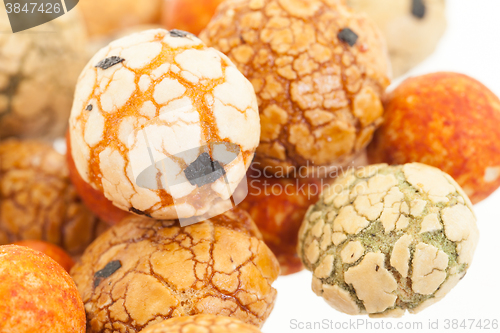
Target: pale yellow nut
x=410, y=38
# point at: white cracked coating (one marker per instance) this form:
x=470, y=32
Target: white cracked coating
x=384, y=240
x=184, y=97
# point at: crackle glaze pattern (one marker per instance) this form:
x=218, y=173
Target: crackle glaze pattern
x=38, y=72
x=201, y=324
x=319, y=97
x=220, y=267
x=386, y=239
x=37, y=200
x=187, y=94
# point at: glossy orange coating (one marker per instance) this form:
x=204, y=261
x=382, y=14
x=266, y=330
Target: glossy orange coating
x=278, y=206
x=447, y=120
x=37, y=294
x=94, y=199
x=53, y=251
x=188, y=15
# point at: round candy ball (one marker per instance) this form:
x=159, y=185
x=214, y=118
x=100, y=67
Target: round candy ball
x=201, y=324
x=412, y=28
x=188, y=15
x=53, y=251
x=143, y=271
x=38, y=73
x=318, y=69
x=278, y=206
x=447, y=120
x=163, y=125
x=386, y=239
x=102, y=19
x=38, y=202
x=36, y=294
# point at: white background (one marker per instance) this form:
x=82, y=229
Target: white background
x=471, y=46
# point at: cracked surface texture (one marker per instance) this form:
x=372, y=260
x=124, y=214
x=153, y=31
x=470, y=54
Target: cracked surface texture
x=201, y=324
x=459, y=117
x=385, y=239
x=37, y=294
x=220, y=266
x=410, y=38
x=278, y=206
x=37, y=200
x=319, y=98
x=38, y=72
x=169, y=85
x=118, y=15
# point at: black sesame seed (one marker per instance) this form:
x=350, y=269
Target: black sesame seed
x=109, y=62
x=204, y=171
x=418, y=8
x=377, y=268
x=180, y=33
x=107, y=271
x=348, y=36
x=137, y=211
x=89, y=107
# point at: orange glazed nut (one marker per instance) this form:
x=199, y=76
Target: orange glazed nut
x=188, y=15
x=36, y=294
x=53, y=251
x=37, y=200
x=318, y=70
x=278, y=206
x=447, y=120
x=201, y=324
x=143, y=271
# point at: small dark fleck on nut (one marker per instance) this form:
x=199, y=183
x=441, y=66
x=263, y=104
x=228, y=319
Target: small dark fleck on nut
x=418, y=8
x=204, y=171
x=109, y=62
x=107, y=271
x=136, y=211
x=180, y=33
x=89, y=107
x=377, y=268
x=348, y=36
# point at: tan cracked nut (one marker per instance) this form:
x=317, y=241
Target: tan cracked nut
x=318, y=69
x=37, y=200
x=38, y=73
x=118, y=14
x=383, y=240
x=143, y=271
x=153, y=109
x=201, y=324
x=412, y=28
